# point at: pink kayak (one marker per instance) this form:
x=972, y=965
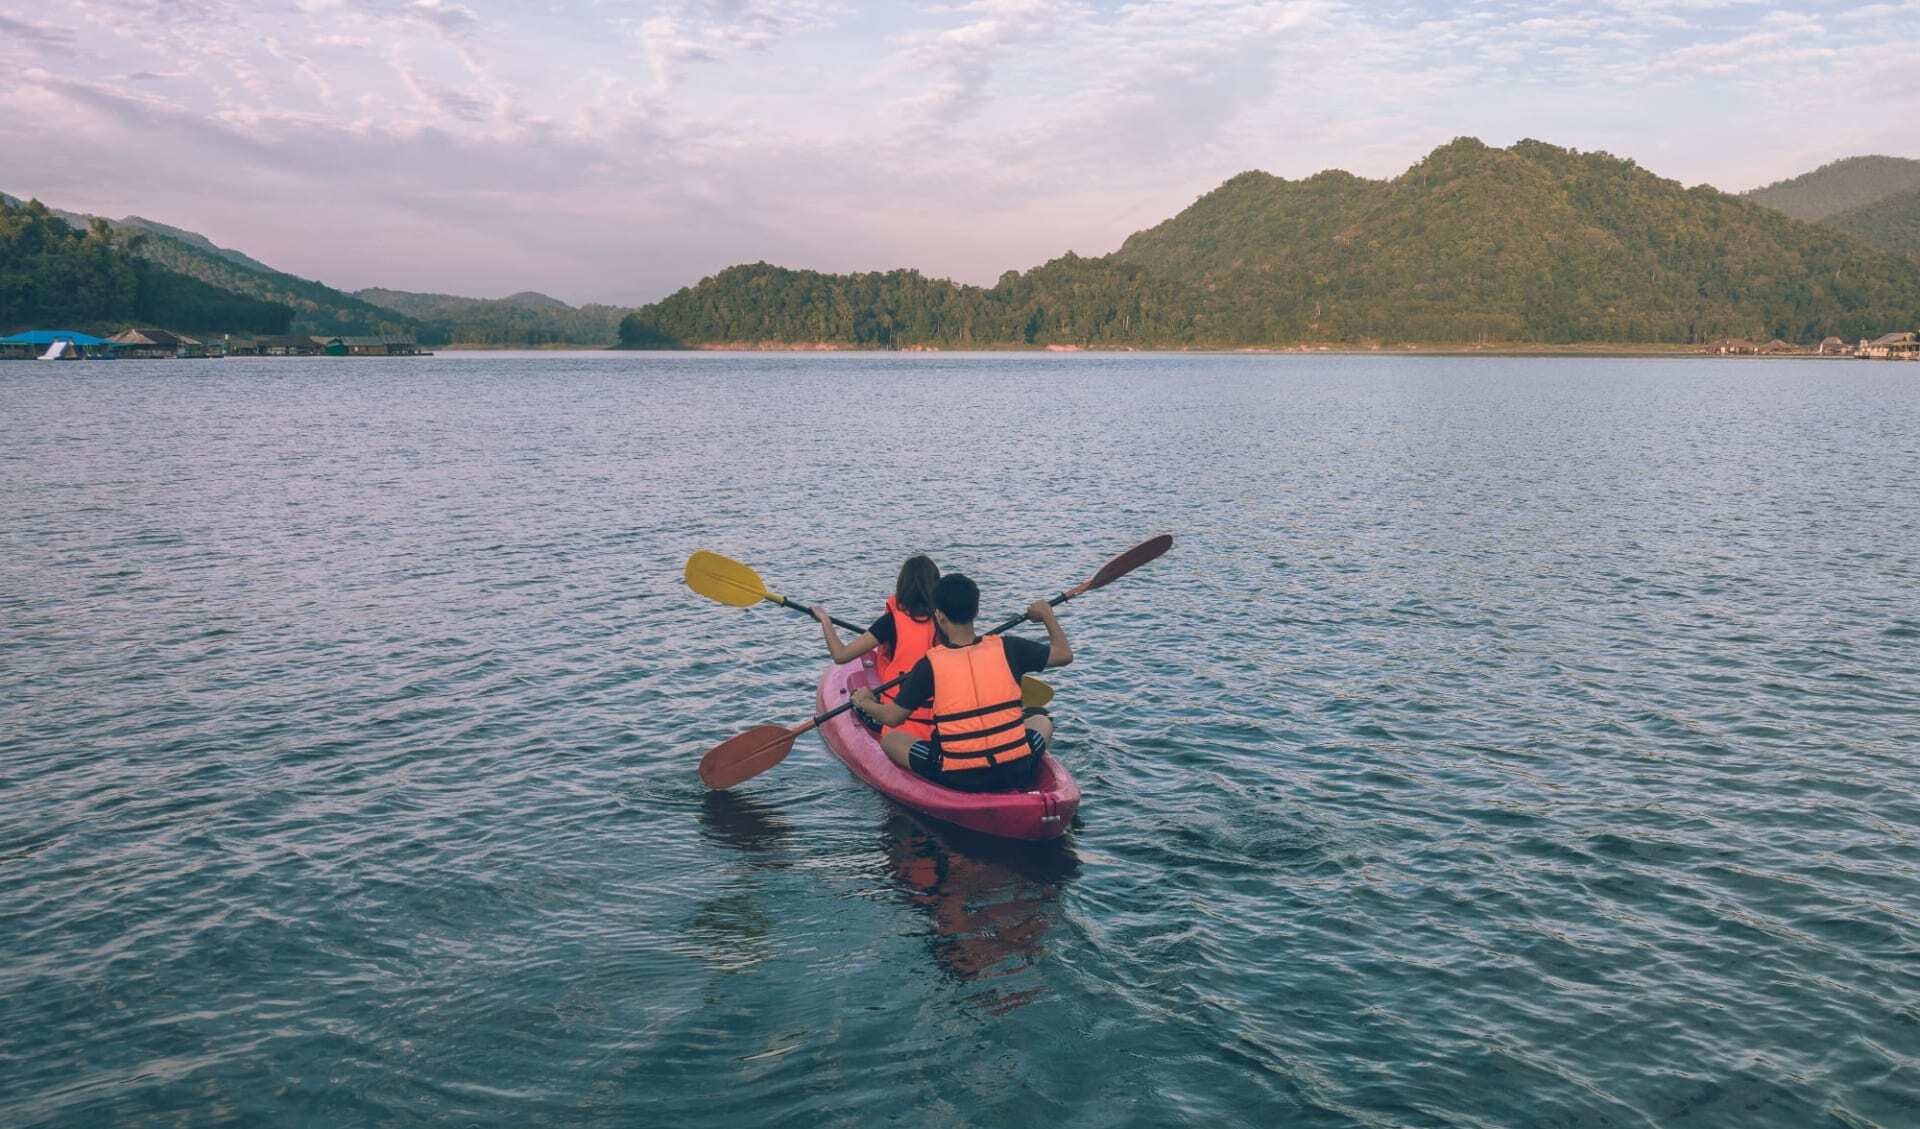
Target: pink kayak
x=1042, y=812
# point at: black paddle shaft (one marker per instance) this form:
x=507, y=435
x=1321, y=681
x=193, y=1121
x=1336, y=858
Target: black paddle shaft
x=1023, y=617
x=837, y=621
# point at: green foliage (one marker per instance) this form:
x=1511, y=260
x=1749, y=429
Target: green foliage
x=317, y=308
x=1840, y=187
x=1068, y=301
x=53, y=275
x=1892, y=224
x=1528, y=244
x=524, y=319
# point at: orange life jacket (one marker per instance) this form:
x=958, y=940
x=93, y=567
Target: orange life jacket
x=977, y=719
x=912, y=639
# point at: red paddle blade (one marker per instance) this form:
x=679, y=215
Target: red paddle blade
x=1128, y=561
x=746, y=756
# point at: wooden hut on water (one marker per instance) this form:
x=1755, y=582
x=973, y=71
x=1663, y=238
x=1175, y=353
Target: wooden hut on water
x=287, y=345
x=156, y=344
x=1892, y=347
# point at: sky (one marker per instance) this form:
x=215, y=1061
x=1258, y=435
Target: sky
x=616, y=150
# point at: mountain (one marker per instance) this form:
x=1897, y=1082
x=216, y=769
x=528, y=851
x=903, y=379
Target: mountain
x=1892, y=224
x=534, y=300
x=1841, y=186
x=1532, y=243
x=313, y=307
x=193, y=239
x=317, y=308
x=56, y=275
x=526, y=318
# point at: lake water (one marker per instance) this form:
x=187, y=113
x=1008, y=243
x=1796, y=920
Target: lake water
x=1504, y=742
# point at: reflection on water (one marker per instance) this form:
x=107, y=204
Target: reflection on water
x=731, y=932
x=991, y=902
x=737, y=820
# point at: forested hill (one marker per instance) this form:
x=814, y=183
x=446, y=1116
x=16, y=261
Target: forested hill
x=317, y=307
x=1840, y=187
x=55, y=275
x=1528, y=244
x=1892, y=224
x=525, y=319
x=313, y=307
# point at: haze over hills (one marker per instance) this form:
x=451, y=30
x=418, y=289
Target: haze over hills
x=1892, y=224
x=1874, y=199
x=1840, y=186
x=1530, y=244
x=526, y=318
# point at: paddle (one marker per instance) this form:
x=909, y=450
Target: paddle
x=732, y=583
x=742, y=758
x=762, y=747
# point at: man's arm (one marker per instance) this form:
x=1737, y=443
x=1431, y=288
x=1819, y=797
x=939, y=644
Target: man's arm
x=886, y=713
x=1059, y=652
x=915, y=691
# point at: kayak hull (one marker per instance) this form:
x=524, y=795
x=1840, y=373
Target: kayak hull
x=1044, y=811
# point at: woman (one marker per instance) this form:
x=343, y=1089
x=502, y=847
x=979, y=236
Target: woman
x=904, y=634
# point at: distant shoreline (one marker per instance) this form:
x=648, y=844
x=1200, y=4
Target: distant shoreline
x=1342, y=350
x=550, y=347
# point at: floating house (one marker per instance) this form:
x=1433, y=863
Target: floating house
x=1733, y=347
x=287, y=345
x=1834, y=347
x=1892, y=347
x=373, y=347
x=55, y=345
x=1777, y=347
x=157, y=344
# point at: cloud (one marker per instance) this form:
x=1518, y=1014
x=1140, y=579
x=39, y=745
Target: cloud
x=711, y=31
x=649, y=142
x=33, y=31
x=448, y=16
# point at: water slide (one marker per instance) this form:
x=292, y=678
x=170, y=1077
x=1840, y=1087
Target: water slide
x=57, y=351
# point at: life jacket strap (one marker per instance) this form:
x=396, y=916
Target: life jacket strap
x=983, y=711
x=988, y=758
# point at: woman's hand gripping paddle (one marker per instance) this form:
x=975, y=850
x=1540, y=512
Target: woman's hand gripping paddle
x=751, y=753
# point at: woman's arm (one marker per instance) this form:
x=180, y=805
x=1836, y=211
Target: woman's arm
x=843, y=652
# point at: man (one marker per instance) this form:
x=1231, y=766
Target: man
x=982, y=742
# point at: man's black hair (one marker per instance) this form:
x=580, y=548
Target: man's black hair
x=957, y=598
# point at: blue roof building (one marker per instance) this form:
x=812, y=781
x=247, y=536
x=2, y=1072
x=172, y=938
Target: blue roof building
x=49, y=336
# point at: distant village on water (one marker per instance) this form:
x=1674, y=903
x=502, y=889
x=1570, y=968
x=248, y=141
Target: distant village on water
x=156, y=344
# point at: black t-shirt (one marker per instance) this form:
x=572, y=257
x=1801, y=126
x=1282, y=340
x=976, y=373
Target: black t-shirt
x=1024, y=656
x=882, y=630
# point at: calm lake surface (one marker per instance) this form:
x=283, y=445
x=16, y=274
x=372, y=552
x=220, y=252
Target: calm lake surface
x=1504, y=742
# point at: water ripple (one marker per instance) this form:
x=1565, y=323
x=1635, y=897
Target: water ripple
x=1505, y=743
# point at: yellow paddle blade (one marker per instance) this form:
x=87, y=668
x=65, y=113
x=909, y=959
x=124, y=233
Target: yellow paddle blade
x=1034, y=693
x=727, y=581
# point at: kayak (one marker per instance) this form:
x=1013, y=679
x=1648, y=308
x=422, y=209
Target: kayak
x=1043, y=811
